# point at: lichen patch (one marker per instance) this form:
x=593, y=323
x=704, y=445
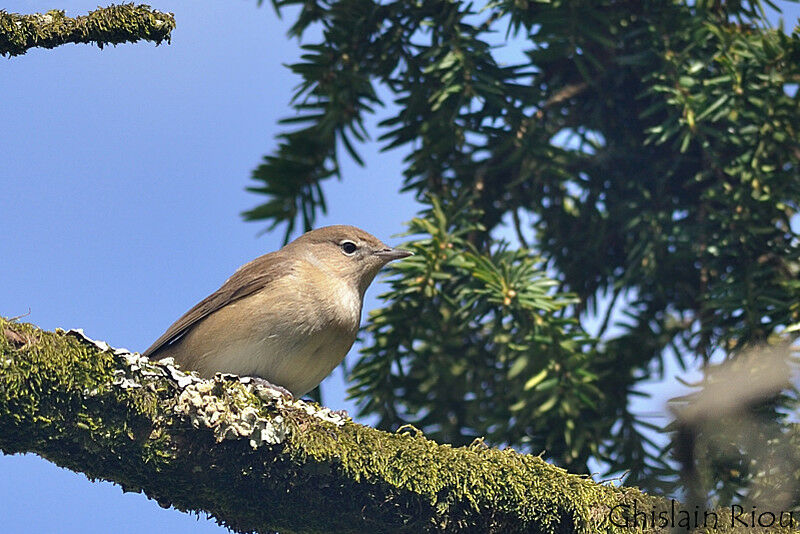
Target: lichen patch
x=223, y=404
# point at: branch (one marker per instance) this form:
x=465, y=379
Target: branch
x=609, y=310
x=256, y=461
x=518, y=228
x=125, y=23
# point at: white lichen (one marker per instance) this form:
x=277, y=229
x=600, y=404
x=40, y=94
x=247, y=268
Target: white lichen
x=228, y=411
x=233, y=417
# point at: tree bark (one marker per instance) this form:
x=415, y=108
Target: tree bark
x=125, y=23
x=256, y=461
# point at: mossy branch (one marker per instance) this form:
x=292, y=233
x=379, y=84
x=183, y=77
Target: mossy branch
x=114, y=24
x=256, y=461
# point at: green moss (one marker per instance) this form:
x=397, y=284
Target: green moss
x=114, y=24
x=256, y=461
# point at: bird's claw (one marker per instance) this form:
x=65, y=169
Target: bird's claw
x=257, y=380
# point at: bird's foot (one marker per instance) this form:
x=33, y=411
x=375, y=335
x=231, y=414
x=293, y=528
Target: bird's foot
x=257, y=380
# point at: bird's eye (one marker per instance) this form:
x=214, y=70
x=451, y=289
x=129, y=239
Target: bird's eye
x=348, y=247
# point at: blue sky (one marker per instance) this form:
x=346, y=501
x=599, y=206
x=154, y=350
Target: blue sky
x=123, y=178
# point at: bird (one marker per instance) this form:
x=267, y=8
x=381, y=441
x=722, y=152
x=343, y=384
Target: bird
x=287, y=318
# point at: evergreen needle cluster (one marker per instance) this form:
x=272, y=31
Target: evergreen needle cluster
x=644, y=155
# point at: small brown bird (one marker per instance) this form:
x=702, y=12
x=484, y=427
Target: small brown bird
x=288, y=317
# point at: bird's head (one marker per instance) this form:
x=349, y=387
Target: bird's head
x=347, y=252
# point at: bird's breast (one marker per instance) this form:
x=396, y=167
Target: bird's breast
x=291, y=333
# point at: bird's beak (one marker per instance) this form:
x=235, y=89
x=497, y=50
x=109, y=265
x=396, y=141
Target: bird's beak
x=390, y=254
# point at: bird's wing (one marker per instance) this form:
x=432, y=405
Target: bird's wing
x=248, y=279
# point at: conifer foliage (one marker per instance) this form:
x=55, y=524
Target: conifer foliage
x=645, y=155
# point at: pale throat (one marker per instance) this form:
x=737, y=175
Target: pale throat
x=349, y=295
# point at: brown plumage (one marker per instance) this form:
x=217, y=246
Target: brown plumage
x=288, y=317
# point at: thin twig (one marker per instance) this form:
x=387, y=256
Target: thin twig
x=518, y=227
x=610, y=308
